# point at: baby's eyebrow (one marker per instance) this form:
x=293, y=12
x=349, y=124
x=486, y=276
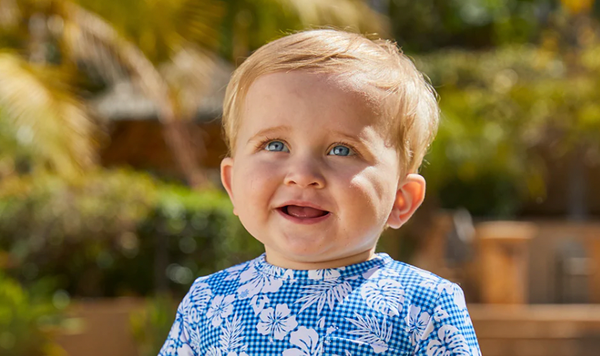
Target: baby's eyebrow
x=269, y=132
x=348, y=137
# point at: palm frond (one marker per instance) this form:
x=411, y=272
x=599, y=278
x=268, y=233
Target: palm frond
x=10, y=14
x=189, y=75
x=160, y=28
x=232, y=334
x=92, y=40
x=199, y=21
x=36, y=102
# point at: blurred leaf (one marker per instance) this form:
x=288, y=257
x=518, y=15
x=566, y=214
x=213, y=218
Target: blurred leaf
x=28, y=322
x=63, y=141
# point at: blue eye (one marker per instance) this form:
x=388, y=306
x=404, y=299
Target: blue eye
x=340, y=150
x=276, y=146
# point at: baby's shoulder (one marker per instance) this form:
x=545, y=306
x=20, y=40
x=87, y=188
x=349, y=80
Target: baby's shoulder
x=220, y=281
x=212, y=288
x=418, y=285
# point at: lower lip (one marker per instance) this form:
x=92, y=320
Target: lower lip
x=305, y=221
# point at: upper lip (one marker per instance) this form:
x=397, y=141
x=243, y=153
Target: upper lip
x=301, y=203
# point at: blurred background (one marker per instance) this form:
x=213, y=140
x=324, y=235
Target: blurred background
x=110, y=141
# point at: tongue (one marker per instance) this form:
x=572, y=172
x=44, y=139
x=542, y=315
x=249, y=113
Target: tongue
x=304, y=212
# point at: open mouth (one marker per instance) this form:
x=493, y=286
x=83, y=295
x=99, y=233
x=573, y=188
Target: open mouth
x=302, y=212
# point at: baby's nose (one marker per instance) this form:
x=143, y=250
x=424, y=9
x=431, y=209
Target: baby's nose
x=305, y=173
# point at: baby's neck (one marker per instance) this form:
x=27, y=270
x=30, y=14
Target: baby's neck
x=309, y=263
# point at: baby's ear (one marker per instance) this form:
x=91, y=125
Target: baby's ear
x=409, y=196
x=227, y=177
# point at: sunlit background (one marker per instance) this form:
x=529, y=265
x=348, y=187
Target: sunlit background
x=110, y=141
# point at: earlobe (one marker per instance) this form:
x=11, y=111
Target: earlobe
x=227, y=177
x=409, y=196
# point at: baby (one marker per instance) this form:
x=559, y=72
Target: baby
x=326, y=131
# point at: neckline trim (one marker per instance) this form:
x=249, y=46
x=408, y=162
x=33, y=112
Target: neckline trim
x=379, y=260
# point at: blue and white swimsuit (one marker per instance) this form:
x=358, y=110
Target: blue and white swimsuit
x=378, y=307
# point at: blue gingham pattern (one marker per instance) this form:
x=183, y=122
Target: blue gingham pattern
x=377, y=307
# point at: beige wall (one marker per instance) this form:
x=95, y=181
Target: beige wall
x=101, y=328
x=544, y=251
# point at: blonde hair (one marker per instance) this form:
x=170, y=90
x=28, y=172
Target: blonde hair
x=408, y=104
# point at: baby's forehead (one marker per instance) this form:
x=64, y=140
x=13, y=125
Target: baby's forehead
x=275, y=95
x=354, y=86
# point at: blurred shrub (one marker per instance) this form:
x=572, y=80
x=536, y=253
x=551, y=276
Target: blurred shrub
x=501, y=111
x=117, y=233
x=28, y=320
x=427, y=25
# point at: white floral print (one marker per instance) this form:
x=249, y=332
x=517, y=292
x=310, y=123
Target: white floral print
x=258, y=281
x=195, y=315
x=234, y=272
x=213, y=351
x=430, y=281
x=186, y=305
x=201, y=295
x=459, y=298
x=232, y=335
x=450, y=342
x=185, y=350
x=325, y=292
x=372, y=332
x=170, y=345
x=220, y=308
x=439, y=314
x=195, y=302
x=416, y=324
x=276, y=322
x=323, y=274
x=446, y=287
x=378, y=272
x=371, y=272
x=427, y=276
x=258, y=303
x=307, y=341
x=385, y=296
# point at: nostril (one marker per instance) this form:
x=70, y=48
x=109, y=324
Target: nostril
x=305, y=178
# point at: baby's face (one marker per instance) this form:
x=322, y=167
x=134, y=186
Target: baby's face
x=311, y=176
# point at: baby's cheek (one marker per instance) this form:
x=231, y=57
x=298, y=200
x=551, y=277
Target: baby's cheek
x=258, y=175
x=374, y=194
x=256, y=185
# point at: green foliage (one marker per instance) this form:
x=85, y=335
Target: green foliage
x=500, y=108
x=426, y=25
x=102, y=234
x=27, y=321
